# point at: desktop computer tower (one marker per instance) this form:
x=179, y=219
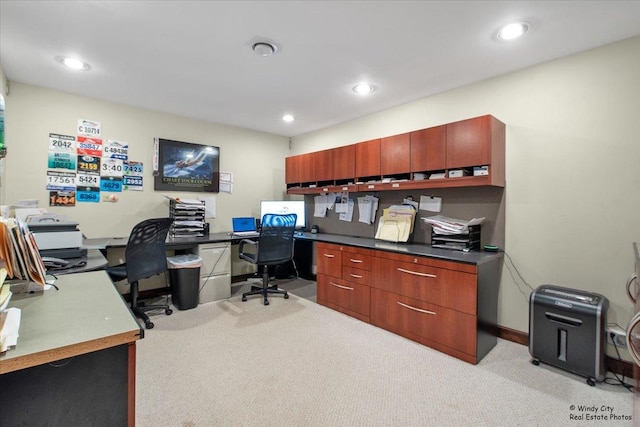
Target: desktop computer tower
x=567, y=329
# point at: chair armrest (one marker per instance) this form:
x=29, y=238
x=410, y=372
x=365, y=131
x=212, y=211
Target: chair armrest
x=253, y=243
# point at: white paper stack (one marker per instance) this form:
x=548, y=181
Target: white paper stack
x=444, y=225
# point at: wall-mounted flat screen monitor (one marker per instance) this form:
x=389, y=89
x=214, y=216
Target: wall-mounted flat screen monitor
x=285, y=207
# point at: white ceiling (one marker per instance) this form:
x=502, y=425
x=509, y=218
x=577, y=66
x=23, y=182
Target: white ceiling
x=193, y=58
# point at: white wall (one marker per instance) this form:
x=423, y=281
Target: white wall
x=256, y=159
x=573, y=169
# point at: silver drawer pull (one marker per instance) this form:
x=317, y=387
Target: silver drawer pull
x=355, y=260
x=329, y=255
x=340, y=286
x=415, y=273
x=416, y=309
x=357, y=276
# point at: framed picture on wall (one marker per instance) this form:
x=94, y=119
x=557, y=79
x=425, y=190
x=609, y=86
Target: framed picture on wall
x=184, y=166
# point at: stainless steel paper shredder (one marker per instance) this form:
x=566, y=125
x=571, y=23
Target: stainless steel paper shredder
x=567, y=329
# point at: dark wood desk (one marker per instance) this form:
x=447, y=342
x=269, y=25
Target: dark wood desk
x=75, y=360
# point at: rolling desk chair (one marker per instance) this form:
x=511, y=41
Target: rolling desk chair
x=145, y=257
x=274, y=246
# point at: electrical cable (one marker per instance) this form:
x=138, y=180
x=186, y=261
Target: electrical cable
x=617, y=380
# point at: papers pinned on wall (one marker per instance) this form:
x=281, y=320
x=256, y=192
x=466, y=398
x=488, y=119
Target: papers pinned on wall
x=367, y=208
x=430, y=203
x=348, y=214
x=396, y=223
x=320, y=206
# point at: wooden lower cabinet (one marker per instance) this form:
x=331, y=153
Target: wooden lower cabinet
x=447, y=305
x=443, y=329
x=343, y=278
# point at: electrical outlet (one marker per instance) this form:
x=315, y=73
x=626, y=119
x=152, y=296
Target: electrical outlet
x=616, y=336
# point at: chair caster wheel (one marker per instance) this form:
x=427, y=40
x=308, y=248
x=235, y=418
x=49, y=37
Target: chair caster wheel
x=168, y=311
x=591, y=382
x=266, y=302
x=244, y=298
x=149, y=325
x=535, y=362
x=286, y=296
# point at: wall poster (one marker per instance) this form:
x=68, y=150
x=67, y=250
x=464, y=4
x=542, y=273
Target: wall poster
x=184, y=166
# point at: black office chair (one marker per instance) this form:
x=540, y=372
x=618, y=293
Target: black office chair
x=274, y=246
x=145, y=257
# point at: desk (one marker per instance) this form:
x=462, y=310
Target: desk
x=75, y=359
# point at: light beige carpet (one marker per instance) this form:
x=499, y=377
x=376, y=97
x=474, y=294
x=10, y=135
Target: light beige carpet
x=296, y=363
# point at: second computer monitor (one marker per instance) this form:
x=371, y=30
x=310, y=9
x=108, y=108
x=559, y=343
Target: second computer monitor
x=285, y=207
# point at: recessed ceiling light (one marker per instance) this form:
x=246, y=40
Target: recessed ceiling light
x=264, y=48
x=73, y=63
x=513, y=31
x=288, y=118
x=363, y=89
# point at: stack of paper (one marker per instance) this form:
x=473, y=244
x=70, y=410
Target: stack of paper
x=396, y=223
x=19, y=250
x=444, y=225
x=9, y=326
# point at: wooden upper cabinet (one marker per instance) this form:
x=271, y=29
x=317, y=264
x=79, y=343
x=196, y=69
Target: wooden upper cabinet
x=344, y=162
x=323, y=161
x=428, y=149
x=395, y=154
x=292, y=170
x=368, y=158
x=307, y=171
x=475, y=142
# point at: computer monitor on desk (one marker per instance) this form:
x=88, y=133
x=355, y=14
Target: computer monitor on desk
x=285, y=207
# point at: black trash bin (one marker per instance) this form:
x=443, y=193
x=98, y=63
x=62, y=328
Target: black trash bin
x=184, y=279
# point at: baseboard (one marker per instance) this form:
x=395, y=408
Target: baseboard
x=513, y=335
x=620, y=367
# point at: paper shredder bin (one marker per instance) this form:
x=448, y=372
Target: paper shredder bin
x=184, y=280
x=567, y=329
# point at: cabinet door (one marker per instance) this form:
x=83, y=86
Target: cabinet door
x=292, y=169
x=428, y=149
x=395, y=154
x=368, y=158
x=344, y=162
x=469, y=142
x=323, y=161
x=307, y=168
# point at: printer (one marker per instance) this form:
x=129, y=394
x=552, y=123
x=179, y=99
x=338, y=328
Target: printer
x=56, y=236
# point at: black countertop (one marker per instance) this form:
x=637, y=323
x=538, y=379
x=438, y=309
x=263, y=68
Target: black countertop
x=472, y=257
x=417, y=249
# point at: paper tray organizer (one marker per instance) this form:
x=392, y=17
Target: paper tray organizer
x=461, y=242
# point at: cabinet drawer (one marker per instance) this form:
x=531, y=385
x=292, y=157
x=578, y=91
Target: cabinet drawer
x=355, y=275
x=329, y=260
x=215, y=259
x=214, y=288
x=336, y=292
x=447, y=288
x=423, y=322
x=356, y=260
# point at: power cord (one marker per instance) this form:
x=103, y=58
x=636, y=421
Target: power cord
x=617, y=380
x=513, y=265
